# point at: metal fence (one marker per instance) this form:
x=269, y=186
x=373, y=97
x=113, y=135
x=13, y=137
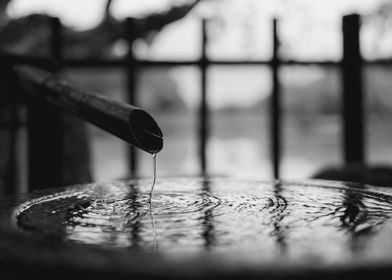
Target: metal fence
x=353, y=137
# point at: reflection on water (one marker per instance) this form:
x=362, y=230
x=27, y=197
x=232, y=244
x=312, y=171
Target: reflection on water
x=207, y=220
x=263, y=219
x=154, y=228
x=280, y=213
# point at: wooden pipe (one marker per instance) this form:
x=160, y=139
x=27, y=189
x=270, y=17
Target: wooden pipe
x=125, y=121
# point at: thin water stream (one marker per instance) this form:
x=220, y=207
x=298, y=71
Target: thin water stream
x=154, y=174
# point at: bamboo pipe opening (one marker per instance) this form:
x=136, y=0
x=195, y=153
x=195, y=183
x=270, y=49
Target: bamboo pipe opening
x=146, y=131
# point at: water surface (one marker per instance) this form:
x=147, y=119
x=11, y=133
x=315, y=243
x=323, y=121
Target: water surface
x=316, y=221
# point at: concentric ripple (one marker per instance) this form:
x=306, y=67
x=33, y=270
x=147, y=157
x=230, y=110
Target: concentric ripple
x=316, y=220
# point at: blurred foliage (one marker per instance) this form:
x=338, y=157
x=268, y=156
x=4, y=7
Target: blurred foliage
x=30, y=34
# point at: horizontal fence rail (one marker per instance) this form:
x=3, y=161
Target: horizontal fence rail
x=119, y=62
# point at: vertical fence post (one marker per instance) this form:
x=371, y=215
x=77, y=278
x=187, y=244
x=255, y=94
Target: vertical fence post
x=353, y=112
x=131, y=69
x=275, y=105
x=44, y=131
x=203, y=113
x=56, y=42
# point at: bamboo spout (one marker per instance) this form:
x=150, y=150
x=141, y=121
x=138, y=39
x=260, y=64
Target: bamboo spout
x=125, y=121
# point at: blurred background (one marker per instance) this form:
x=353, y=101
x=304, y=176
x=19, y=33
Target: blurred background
x=237, y=95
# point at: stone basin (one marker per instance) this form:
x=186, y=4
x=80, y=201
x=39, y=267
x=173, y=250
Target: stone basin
x=199, y=228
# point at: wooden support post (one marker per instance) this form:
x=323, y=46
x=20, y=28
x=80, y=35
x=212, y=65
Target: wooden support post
x=275, y=105
x=203, y=111
x=12, y=180
x=8, y=131
x=45, y=137
x=352, y=109
x=131, y=86
x=11, y=144
x=58, y=150
x=44, y=145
